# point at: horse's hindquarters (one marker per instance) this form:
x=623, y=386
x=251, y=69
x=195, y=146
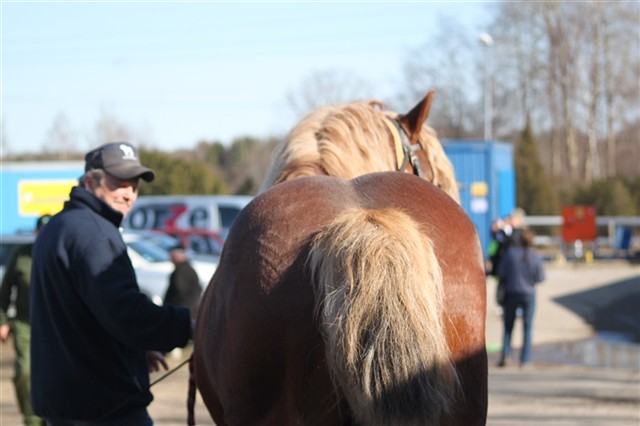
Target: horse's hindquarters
x=260, y=357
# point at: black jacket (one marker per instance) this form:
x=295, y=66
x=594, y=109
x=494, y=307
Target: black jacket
x=184, y=288
x=91, y=326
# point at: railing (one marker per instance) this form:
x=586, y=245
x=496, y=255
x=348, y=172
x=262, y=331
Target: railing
x=549, y=237
x=600, y=221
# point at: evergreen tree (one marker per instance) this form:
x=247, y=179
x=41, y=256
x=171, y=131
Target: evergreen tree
x=533, y=188
x=611, y=197
x=179, y=176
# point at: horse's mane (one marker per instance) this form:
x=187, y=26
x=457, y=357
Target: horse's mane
x=349, y=140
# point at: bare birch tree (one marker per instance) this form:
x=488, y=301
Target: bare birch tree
x=621, y=68
x=584, y=57
x=593, y=22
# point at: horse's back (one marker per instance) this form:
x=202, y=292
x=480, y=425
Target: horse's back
x=259, y=354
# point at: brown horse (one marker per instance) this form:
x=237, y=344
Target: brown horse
x=340, y=302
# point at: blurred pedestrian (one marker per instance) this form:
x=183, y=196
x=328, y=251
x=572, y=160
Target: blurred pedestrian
x=520, y=270
x=184, y=285
x=95, y=336
x=504, y=232
x=516, y=223
x=15, y=291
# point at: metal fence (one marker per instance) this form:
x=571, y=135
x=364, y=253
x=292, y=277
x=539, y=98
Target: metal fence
x=618, y=236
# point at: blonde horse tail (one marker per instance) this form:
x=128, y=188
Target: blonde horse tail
x=379, y=299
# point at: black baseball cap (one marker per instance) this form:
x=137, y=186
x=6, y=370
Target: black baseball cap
x=119, y=159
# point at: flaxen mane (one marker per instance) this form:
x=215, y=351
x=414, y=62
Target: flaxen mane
x=349, y=140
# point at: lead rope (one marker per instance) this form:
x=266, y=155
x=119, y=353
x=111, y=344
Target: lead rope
x=167, y=374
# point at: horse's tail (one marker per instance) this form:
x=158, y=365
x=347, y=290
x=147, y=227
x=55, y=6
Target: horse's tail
x=191, y=394
x=379, y=298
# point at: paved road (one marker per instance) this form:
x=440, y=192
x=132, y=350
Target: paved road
x=573, y=304
x=575, y=301
x=554, y=391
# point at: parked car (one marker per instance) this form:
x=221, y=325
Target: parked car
x=213, y=212
x=150, y=261
x=167, y=242
x=199, y=241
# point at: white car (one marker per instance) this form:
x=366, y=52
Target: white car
x=150, y=261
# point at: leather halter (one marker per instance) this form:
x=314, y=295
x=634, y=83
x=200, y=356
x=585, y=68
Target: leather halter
x=405, y=152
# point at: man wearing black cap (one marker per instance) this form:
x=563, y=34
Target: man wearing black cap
x=94, y=334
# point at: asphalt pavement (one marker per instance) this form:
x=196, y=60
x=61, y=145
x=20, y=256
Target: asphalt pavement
x=585, y=369
x=586, y=357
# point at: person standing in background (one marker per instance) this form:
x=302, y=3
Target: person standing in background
x=520, y=270
x=516, y=223
x=16, y=281
x=184, y=285
x=95, y=336
x=504, y=232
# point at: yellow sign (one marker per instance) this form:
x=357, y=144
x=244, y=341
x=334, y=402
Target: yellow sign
x=479, y=189
x=38, y=197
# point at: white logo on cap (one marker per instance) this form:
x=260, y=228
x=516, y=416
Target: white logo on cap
x=127, y=152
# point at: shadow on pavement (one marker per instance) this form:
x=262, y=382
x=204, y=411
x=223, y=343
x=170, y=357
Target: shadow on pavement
x=613, y=308
x=613, y=311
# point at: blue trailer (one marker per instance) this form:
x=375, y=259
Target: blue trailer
x=486, y=178
x=30, y=189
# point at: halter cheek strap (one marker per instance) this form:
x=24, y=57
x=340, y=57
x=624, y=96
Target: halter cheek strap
x=405, y=151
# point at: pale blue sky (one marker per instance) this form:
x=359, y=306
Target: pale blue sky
x=180, y=72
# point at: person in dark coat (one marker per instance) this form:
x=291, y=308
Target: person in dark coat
x=504, y=233
x=184, y=285
x=94, y=335
x=520, y=270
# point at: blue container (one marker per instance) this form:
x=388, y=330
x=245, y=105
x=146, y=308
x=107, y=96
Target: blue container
x=486, y=179
x=30, y=189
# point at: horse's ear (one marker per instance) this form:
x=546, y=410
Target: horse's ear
x=414, y=119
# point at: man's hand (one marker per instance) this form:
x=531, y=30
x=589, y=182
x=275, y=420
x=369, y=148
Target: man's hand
x=156, y=360
x=4, y=332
